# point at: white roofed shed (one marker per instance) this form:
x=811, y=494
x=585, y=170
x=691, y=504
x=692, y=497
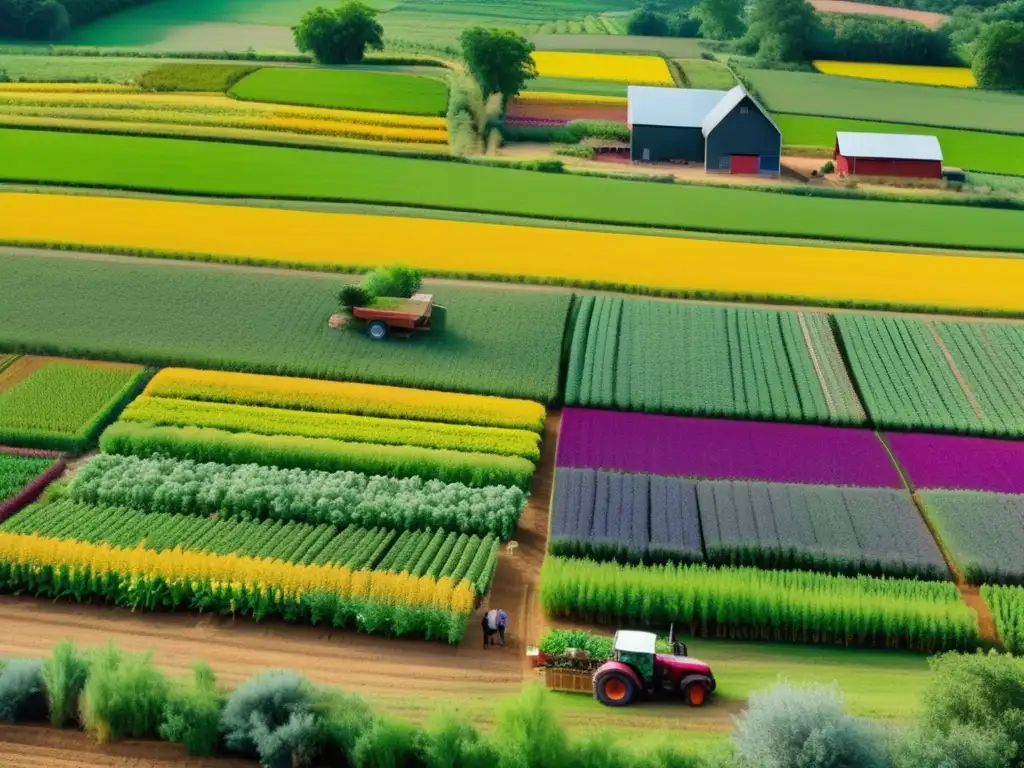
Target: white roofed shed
x=632, y=641
x=889, y=146
x=669, y=107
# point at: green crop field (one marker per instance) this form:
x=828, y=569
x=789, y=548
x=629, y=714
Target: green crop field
x=972, y=150
x=341, y=89
x=807, y=93
x=575, y=85
x=48, y=69
x=494, y=341
x=937, y=375
x=238, y=170
x=709, y=75
x=667, y=357
x=673, y=47
x=188, y=76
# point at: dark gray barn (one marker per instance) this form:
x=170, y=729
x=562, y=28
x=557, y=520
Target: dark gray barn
x=727, y=131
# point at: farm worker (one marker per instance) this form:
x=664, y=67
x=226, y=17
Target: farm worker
x=490, y=625
x=502, y=624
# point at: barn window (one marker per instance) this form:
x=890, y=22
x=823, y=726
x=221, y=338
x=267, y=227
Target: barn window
x=744, y=110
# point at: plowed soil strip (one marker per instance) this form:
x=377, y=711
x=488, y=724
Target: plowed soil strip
x=817, y=365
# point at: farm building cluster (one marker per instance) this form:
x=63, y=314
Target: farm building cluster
x=731, y=132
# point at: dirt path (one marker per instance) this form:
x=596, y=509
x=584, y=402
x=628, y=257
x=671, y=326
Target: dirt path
x=927, y=18
x=27, y=746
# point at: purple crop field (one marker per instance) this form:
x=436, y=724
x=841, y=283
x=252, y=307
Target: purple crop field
x=960, y=463
x=723, y=449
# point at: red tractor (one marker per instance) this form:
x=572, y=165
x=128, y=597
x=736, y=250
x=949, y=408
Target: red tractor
x=636, y=670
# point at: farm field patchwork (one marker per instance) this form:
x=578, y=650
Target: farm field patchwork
x=229, y=169
x=256, y=492
x=984, y=532
x=631, y=69
x=61, y=404
x=560, y=108
x=945, y=376
x=954, y=77
x=658, y=356
x=723, y=449
x=706, y=75
x=494, y=342
x=194, y=76
x=750, y=604
x=687, y=266
x=810, y=93
x=973, y=150
x=100, y=109
x=1007, y=606
x=346, y=89
x=16, y=472
x=575, y=86
x=960, y=463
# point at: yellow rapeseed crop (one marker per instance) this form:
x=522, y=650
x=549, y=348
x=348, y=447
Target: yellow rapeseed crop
x=175, y=565
x=635, y=70
x=548, y=97
x=67, y=88
x=955, y=77
x=339, y=241
x=346, y=397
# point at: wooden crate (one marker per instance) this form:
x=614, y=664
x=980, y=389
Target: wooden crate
x=568, y=680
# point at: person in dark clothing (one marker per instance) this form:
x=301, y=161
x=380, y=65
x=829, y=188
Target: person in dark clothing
x=494, y=623
x=502, y=624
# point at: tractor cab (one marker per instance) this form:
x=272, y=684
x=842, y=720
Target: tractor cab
x=637, y=669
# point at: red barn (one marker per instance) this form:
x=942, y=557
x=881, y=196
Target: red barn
x=888, y=154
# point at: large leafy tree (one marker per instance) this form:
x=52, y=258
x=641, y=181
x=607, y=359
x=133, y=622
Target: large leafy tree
x=499, y=60
x=783, y=30
x=720, y=19
x=341, y=35
x=999, y=56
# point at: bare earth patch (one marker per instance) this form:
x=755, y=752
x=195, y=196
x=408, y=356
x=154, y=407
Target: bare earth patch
x=927, y=18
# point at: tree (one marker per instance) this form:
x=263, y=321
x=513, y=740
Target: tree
x=720, y=19
x=647, y=21
x=499, y=60
x=339, y=36
x=782, y=30
x=999, y=56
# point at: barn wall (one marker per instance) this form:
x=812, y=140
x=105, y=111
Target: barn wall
x=666, y=143
x=914, y=169
x=742, y=134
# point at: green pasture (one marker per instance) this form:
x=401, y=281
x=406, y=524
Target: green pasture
x=997, y=182
x=494, y=341
x=346, y=89
x=185, y=76
x=50, y=69
x=217, y=25
x=575, y=85
x=971, y=150
x=673, y=47
x=707, y=75
x=236, y=170
x=809, y=93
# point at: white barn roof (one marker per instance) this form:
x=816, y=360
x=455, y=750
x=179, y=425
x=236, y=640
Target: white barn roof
x=889, y=146
x=672, y=107
x=729, y=101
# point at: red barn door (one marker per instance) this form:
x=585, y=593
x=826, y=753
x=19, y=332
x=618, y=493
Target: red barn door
x=744, y=164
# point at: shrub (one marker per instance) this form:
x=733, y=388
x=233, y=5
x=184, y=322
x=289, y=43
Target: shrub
x=351, y=295
x=529, y=734
x=556, y=641
x=64, y=674
x=789, y=727
x=576, y=150
x=454, y=743
x=22, y=691
x=341, y=719
x=828, y=167
x=124, y=696
x=960, y=746
x=261, y=705
x=389, y=744
x=397, y=280
x=193, y=711
x=987, y=711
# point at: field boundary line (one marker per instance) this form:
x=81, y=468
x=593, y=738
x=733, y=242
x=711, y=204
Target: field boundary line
x=955, y=370
x=817, y=366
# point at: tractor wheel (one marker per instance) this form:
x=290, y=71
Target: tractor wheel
x=377, y=330
x=615, y=689
x=695, y=694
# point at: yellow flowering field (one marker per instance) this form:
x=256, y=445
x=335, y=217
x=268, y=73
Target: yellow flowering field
x=68, y=88
x=553, y=97
x=620, y=68
x=346, y=397
x=955, y=77
x=342, y=241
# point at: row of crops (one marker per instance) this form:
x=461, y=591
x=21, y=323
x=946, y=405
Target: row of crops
x=899, y=373
x=648, y=518
x=357, y=505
